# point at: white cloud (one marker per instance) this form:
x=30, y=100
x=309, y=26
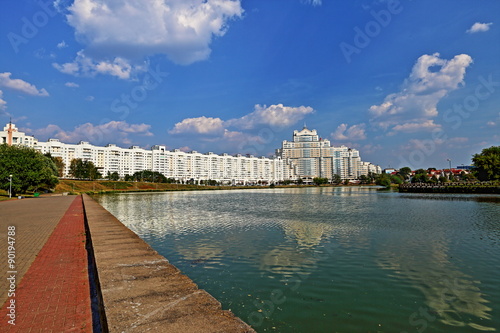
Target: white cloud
x=72, y=85
x=200, y=125
x=479, y=27
x=89, y=98
x=276, y=115
x=20, y=85
x=431, y=79
x=3, y=103
x=344, y=132
x=239, y=134
x=62, y=45
x=85, y=66
x=111, y=132
x=124, y=31
x=491, y=123
x=313, y=2
x=427, y=125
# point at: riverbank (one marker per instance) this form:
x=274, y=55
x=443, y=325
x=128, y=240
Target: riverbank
x=109, y=278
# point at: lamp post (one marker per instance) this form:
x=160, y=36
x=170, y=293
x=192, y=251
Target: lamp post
x=10, y=186
x=451, y=173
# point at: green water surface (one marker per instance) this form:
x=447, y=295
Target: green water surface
x=343, y=259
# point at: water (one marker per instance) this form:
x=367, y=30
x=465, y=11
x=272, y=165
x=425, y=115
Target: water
x=348, y=259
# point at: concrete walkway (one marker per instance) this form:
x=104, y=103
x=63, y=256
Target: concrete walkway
x=138, y=290
x=54, y=294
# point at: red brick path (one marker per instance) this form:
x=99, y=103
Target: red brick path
x=54, y=295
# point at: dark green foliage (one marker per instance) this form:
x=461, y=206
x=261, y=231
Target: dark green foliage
x=319, y=180
x=30, y=169
x=82, y=169
x=113, y=176
x=336, y=179
x=383, y=180
x=149, y=176
x=487, y=164
x=404, y=172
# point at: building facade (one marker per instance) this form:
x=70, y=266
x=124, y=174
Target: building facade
x=307, y=156
x=312, y=156
x=182, y=166
x=11, y=136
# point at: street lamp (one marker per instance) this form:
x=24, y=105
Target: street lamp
x=451, y=173
x=10, y=186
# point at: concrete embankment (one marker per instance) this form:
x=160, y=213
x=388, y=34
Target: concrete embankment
x=139, y=290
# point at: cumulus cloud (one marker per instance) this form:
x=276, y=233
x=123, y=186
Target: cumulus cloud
x=354, y=133
x=237, y=133
x=479, y=27
x=20, y=85
x=200, y=125
x=72, y=85
x=277, y=115
x=62, y=45
x=89, y=98
x=86, y=66
x=111, y=132
x=129, y=30
x=431, y=79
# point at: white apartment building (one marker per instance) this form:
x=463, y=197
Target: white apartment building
x=312, y=157
x=11, y=136
x=307, y=156
x=175, y=164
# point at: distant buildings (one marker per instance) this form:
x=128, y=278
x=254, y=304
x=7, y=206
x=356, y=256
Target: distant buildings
x=306, y=157
x=11, y=136
x=312, y=157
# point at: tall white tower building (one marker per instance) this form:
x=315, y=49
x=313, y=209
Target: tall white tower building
x=312, y=156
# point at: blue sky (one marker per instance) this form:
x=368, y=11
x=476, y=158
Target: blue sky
x=407, y=83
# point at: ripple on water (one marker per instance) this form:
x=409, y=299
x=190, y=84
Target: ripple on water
x=331, y=259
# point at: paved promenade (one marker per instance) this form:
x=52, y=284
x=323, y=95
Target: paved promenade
x=140, y=290
x=53, y=295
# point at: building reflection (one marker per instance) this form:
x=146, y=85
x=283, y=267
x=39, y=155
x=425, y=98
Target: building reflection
x=450, y=295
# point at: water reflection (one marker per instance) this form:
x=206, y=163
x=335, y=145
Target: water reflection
x=428, y=244
x=451, y=295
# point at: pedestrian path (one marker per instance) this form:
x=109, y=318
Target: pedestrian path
x=53, y=295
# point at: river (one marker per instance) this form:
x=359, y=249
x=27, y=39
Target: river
x=331, y=259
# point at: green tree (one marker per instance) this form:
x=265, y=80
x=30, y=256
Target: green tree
x=487, y=164
x=443, y=179
x=149, y=176
x=396, y=179
x=404, y=172
x=319, y=180
x=30, y=170
x=420, y=178
x=58, y=161
x=364, y=179
x=383, y=180
x=336, y=179
x=113, y=176
x=83, y=169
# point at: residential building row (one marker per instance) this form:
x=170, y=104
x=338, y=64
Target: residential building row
x=307, y=156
